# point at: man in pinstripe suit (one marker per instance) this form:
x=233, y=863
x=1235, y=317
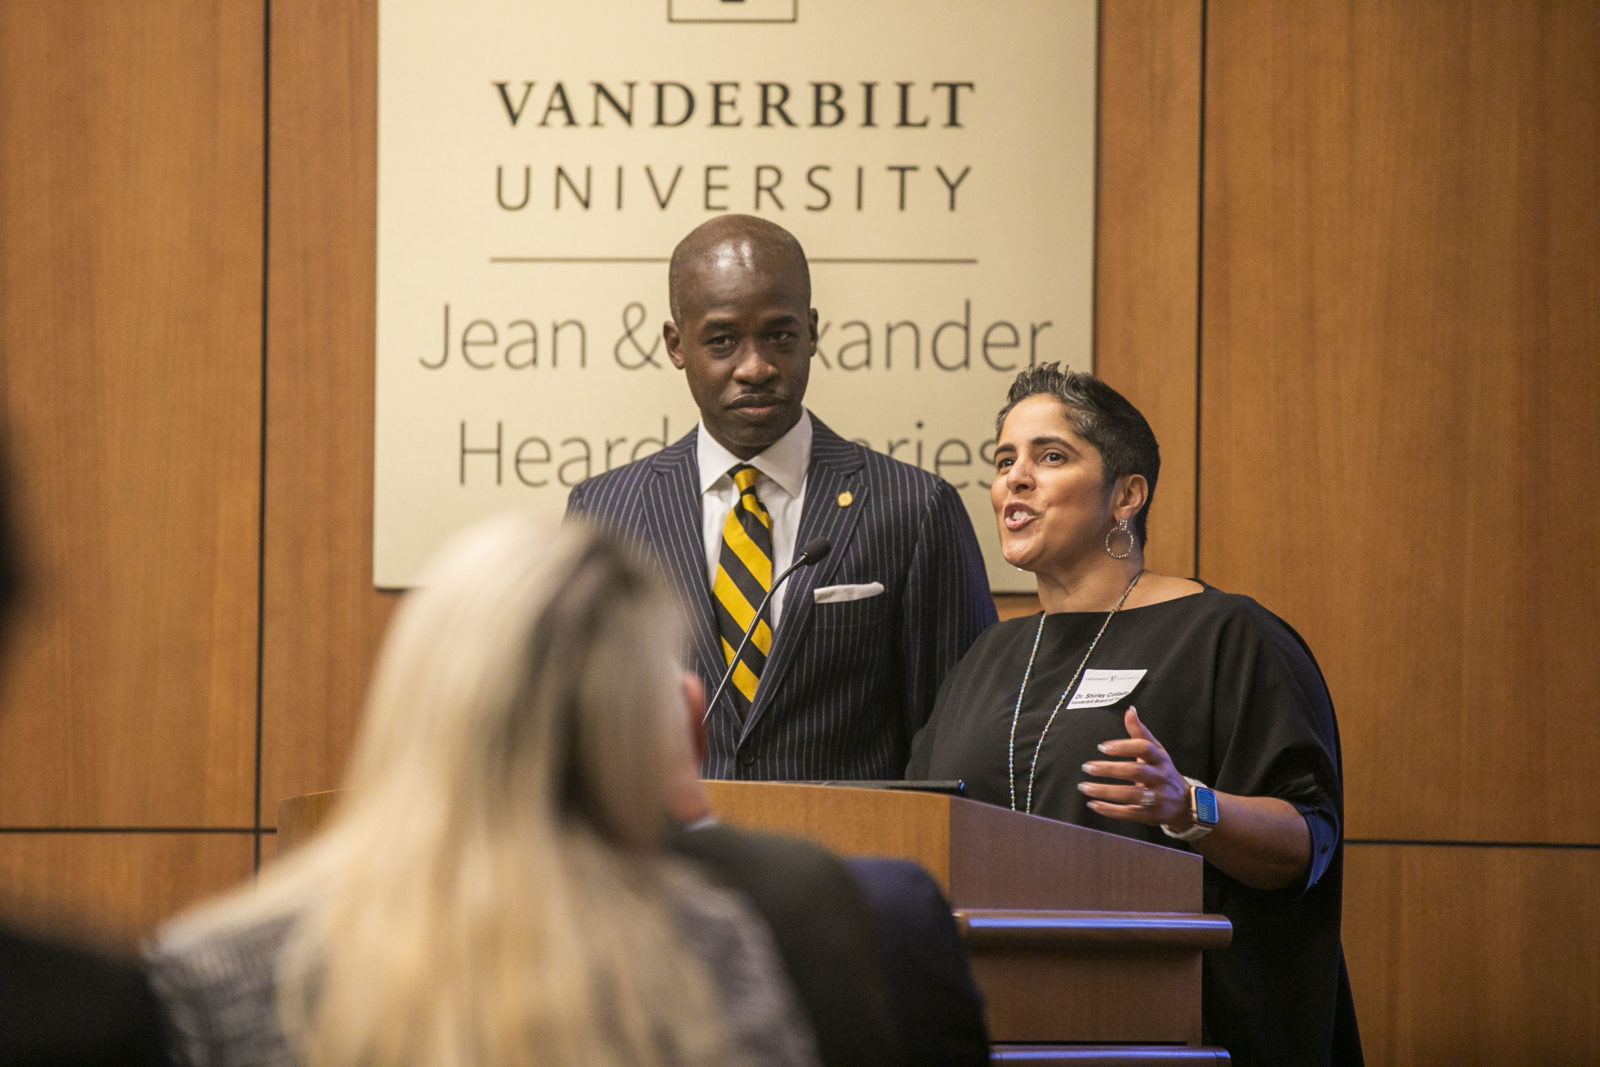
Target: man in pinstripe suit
x=859, y=643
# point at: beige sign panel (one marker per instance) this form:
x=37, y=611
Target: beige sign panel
x=539, y=160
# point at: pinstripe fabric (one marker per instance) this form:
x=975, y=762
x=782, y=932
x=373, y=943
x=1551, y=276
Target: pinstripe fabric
x=744, y=577
x=847, y=684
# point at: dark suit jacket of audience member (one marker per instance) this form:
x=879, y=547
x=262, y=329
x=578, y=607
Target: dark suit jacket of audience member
x=821, y=909
x=67, y=1007
x=824, y=931
x=938, y=1009
x=61, y=1005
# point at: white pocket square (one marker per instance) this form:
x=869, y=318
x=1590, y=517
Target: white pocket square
x=838, y=594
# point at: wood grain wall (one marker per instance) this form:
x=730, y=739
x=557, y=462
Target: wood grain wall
x=322, y=617
x=1399, y=389
x=1348, y=261
x=130, y=293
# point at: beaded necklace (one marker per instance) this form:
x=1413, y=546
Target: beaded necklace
x=1016, y=712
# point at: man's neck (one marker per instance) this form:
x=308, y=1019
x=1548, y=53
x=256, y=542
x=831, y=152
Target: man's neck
x=785, y=459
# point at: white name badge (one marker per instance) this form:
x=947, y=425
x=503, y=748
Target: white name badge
x=1100, y=689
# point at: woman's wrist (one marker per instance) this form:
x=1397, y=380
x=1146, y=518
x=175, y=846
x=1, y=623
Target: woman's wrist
x=1192, y=823
x=1182, y=821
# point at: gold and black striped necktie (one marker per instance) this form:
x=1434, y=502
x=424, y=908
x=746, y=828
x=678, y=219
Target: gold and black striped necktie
x=744, y=575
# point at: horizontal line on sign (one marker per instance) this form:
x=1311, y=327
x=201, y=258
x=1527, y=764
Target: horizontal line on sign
x=578, y=259
x=908, y=261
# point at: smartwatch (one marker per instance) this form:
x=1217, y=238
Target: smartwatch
x=1202, y=809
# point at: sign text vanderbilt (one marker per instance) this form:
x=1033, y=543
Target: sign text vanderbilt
x=809, y=185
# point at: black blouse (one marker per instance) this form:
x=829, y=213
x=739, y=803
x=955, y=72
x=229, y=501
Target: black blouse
x=1235, y=697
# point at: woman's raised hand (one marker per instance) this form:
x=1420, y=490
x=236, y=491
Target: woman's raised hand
x=1154, y=792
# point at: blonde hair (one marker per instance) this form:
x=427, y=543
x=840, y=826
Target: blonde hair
x=491, y=890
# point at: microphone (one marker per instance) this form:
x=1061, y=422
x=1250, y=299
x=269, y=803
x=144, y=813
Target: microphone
x=813, y=551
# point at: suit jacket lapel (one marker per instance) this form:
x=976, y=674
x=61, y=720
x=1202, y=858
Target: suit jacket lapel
x=835, y=468
x=672, y=517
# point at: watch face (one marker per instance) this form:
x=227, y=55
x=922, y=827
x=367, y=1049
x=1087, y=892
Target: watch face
x=1205, y=806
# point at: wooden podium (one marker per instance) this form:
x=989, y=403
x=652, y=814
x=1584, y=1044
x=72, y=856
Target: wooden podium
x=1077, y=937
x=1086, y=945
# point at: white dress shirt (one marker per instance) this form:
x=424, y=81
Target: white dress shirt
x=780, y=484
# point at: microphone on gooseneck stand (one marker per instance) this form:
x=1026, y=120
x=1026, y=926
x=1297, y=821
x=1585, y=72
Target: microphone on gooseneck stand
x=813, y=551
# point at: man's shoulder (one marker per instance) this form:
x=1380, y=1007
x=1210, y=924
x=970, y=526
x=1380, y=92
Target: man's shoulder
x=726, y=847
x=70, y=1005
x=627, y=474
x=823, y=926
x=33, y=966
x=619, y=483
x=784, y=874
x=878, y=468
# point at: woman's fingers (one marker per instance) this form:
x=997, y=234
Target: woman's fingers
x=1116, y=768
x=1144, y=801
x=1130, y=795
x=1139, y=744
x=1153, y=792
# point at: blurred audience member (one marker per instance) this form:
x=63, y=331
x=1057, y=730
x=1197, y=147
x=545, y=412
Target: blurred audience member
x=494, y=888
x=60, y=1004
x=869, y=942
x=937, y=1008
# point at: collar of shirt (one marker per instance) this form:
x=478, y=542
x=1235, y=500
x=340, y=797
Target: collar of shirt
x=781, y=487
x=784, y=461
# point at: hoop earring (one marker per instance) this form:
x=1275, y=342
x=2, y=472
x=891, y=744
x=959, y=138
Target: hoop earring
x=1120, y=527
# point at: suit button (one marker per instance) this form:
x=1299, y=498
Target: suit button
x=748, y=759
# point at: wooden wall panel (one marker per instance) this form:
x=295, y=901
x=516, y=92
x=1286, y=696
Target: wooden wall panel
x=1147, y=243
x=1147, y=220
x=323, y=620
x=1400, y=388
x=116, y=887
x=130, y=281
x=1474, y=955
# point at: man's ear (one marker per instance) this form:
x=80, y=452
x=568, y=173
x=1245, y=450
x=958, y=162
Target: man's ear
x=694, y=698
x=1129, y=496
x=674, y=339
x=811, y=321
x=686, y=797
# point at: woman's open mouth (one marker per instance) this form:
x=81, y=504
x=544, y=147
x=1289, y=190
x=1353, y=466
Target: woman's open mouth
x=1016, y=516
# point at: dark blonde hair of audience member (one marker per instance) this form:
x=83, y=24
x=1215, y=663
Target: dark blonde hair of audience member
x=491, y=892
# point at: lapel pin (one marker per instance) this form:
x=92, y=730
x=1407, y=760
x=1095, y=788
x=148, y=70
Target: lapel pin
x=846, y=498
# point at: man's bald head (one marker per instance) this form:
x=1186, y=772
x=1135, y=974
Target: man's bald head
x=733, y=240
x=743, y=330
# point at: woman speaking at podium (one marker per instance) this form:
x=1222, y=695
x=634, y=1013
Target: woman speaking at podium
x=1158, y=708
